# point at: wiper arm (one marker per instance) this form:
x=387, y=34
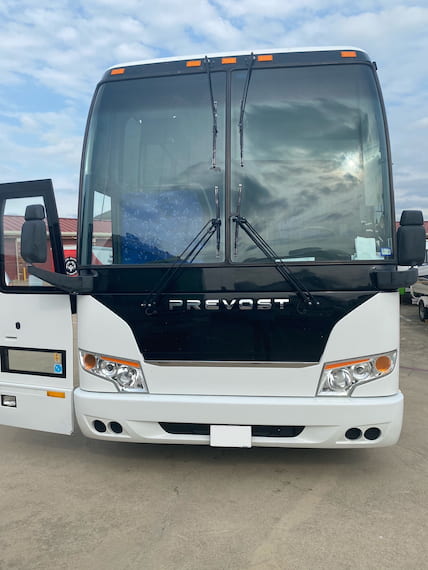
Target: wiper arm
x=217, y=220
x=188, y=255
x=214, y=114
x=238, y=214
x=243, y=103
x=281, y=267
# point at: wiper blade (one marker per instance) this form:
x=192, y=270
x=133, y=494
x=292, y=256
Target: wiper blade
x=188, y=255
x=217, y=220
x=214, y=114
x=238, y=214
x=243, y=104
x=281, y=267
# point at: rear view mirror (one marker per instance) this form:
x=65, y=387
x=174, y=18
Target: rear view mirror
x=411, y=238
x=33, y=235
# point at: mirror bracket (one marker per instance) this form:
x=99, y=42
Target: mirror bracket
x=74, y=285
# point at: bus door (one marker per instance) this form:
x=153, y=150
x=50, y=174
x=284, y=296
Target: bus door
x=36, y=332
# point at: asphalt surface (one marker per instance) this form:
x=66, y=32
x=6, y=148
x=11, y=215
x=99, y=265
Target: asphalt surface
x=75, y=503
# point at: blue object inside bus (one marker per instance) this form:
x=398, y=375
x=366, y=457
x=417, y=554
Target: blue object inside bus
x=157, y=226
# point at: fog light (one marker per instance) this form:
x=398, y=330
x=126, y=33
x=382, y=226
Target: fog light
x=353, y=433
x=372, y=433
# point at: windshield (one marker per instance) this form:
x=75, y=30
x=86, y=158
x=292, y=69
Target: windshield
x=303, y=159
x=149, y=182
x=313, y=178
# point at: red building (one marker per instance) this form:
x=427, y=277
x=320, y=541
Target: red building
x=16, y=267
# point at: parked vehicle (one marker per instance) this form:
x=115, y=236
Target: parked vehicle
x=419, y=295
x=237, y=261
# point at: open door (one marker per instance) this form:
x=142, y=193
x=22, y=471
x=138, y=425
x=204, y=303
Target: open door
x=36, y=333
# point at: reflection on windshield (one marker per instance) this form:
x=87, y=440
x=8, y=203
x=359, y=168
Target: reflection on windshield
x=316, y=188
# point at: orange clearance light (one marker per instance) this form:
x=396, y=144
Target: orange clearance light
x=265, y=58
x=383, y=363
x=348, y=53
x=193, y=63
x=55, y=394
x=117, y=71
x=342, y=364
x=228, y=60
x=89, y=361
x=120, y=361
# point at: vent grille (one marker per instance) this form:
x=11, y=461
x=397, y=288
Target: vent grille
x=256, y=431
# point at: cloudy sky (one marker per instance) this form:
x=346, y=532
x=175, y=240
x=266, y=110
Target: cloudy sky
x=54, y=53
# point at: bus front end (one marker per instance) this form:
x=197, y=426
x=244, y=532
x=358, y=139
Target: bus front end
x=237, y=212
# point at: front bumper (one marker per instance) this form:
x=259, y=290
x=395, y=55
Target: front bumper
x=325, y=419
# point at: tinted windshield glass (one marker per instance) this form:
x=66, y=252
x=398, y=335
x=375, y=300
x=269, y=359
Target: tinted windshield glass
x=315, y=175
x=149, y=185
x=314, y=180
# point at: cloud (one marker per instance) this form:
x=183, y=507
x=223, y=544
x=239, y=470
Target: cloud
x=421, y=123
x=59, y=51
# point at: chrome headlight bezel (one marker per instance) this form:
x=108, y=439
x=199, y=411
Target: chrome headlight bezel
x=125, y=375
x=340, y=378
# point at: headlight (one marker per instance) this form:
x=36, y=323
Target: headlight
x=126, y=375
x=341, y=378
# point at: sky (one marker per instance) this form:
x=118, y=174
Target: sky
x=53, y=54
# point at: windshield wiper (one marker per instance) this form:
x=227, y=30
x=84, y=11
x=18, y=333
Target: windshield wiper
x=214, y=114
x=238, y=214
x=281, y=267
x=243, y=103
x=188, y=255
x=217, y=220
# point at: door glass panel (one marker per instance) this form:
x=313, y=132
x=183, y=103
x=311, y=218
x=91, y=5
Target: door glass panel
x=102, y=239
x=15, y=267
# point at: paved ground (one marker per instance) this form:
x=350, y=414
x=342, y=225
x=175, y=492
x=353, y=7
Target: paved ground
x=74, y=503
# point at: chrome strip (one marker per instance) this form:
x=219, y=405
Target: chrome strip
x=232, y=364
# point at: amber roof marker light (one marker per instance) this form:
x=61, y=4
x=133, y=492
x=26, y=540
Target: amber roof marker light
x=117, y=71
x=348, y=54
x=265, y=57
x=194, y=63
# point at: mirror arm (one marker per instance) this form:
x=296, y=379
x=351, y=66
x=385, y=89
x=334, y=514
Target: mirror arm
x=72, y=285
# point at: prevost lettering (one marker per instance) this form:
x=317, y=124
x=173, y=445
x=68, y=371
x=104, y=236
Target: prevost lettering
x=227, y=304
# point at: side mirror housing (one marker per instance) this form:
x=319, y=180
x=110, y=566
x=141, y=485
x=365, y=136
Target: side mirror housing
x=411, y=238
x=33, y=235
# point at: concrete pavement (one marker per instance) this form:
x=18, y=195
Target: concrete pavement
x=74, y=503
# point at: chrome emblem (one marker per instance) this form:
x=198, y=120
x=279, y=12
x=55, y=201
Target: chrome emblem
x=227, y=305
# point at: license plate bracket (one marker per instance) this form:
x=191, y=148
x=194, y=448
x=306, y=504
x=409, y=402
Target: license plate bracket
x=230, y=436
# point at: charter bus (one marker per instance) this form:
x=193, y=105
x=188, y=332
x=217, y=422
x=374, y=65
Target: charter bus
x=237, y=261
